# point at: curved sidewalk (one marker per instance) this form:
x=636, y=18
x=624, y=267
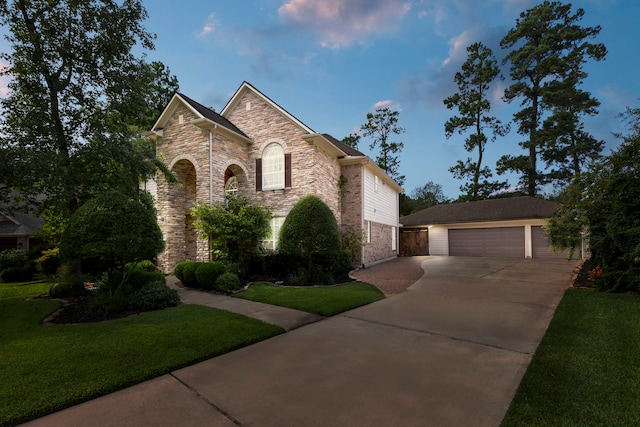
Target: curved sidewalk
x=286, y=318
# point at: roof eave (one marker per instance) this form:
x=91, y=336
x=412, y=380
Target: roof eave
x=324, y=144
x=204, y=123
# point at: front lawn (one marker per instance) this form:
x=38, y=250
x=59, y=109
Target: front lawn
x=322, y=300
x=586, y=371
x=47, y=368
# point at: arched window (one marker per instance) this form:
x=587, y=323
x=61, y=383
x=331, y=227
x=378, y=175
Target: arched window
x=273, y=167
x=231, y=187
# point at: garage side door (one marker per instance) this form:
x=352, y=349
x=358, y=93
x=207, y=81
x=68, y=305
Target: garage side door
x=541, y=246
x=491, y=242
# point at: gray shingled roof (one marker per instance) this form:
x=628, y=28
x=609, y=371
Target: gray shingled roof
x=482, y=211
x=212, y=115
x=26, y=223
x=342, y=146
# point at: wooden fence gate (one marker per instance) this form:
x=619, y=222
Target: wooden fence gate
x=414, y=241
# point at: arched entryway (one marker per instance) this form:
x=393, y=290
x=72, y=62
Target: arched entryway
x=183, y=240
x=235, y=181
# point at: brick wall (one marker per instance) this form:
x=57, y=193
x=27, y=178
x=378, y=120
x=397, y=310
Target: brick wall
x=380, y=246
x=312, y=170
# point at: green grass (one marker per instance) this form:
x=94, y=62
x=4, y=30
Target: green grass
x=323, y=300
x=47, y=368
x=586, y=371
x=23, y=289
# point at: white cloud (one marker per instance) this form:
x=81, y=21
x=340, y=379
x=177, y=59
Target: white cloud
x=458, y=47
x=210, y=26
x=391, y=105
x=341, y=23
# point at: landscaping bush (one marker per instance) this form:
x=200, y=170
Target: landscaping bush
x=114, y=229
x=139, y=277
x=13, y=258
x=153, y=296
x=334, y=262
x=208, y=272
x=61, y=290
x=233, y=267
x=189, y=274
x=178, y=269
x=310, y=228
x=16, y=274
x=146, y=265
x=48, y=262
x=227, y=282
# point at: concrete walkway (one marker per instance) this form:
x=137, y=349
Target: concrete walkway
x=449, y=351
x=286, y=318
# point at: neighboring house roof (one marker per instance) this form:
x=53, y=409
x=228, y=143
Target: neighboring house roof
x=18, y=223
x=513, y=208
x=244, y=87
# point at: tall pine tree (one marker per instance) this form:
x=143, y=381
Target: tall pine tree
x=548, y=51
x=474, y=82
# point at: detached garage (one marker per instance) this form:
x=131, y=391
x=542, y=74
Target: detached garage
x=510, y=227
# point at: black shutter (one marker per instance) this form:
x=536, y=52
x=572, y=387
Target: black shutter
x=258, y=174
x=287, y=170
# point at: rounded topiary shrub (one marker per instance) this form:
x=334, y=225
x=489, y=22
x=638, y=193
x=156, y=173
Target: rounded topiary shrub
x=153, y=296
x=178, y=271
x=147, y=265
x=16, y=274
x=208, y=272
x=227, y=282
x=189, y=274
x=139, y=277
x=310, y=228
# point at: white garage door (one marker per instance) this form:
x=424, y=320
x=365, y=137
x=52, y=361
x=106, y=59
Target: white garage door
x=491, y=242
x=541, y=246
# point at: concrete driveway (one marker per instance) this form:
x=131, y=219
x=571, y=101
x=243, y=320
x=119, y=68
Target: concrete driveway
x=449, y=351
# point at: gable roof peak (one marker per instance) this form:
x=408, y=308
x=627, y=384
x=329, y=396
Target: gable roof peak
x=248, y=87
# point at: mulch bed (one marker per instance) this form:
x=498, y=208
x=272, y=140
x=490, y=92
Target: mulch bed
x=78, y=310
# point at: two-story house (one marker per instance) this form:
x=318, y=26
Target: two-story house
x=257, y=149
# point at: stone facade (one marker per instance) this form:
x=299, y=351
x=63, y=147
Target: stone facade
x=204, y=149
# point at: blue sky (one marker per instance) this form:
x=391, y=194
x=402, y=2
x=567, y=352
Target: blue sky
x=330, y=62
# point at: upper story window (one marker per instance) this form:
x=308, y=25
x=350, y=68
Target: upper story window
x=273, y=169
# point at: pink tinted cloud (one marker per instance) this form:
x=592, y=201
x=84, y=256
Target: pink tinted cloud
x=209, y=26
x=341, y=23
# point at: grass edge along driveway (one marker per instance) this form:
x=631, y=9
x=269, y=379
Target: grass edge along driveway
x=48, y=368
x=586, y=371
x=321, y=300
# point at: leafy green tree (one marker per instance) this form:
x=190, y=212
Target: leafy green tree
x=548, y=50
x=430, y=194
x=77, y=94
x=234, y=230
x=604, y=201
x=474, y=82
x=380, y=126
x=114, y=229
x=309, y=229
